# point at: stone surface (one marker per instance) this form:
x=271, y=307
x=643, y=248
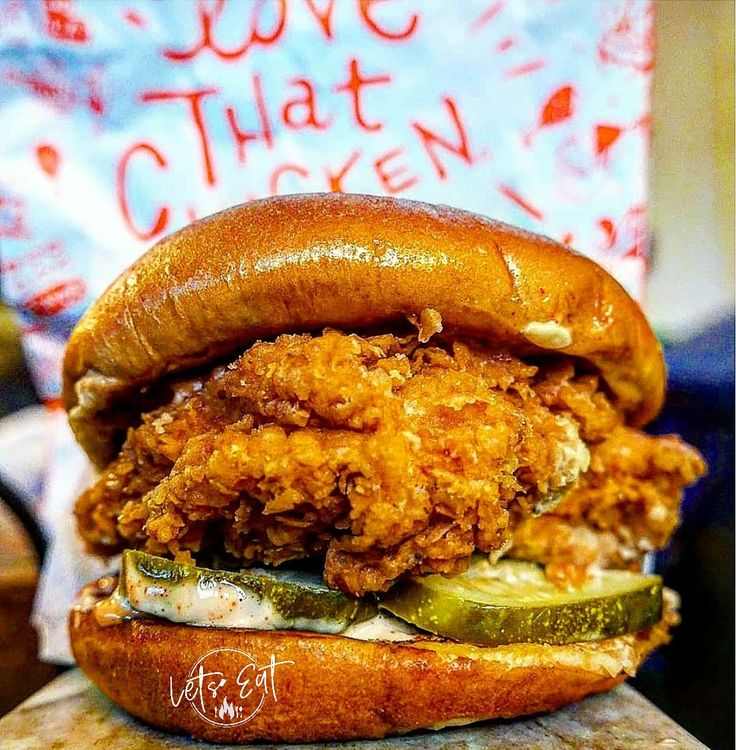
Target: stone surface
x=71, y=713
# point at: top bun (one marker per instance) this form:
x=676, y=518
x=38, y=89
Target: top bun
x=303, y=262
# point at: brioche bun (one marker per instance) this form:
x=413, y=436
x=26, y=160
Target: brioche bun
x=300, y=263
x=339, y=688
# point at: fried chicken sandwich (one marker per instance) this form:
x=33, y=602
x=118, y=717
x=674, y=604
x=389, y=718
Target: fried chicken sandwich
x=373, y=466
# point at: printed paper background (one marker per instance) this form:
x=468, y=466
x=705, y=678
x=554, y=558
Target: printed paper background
x=122, y=121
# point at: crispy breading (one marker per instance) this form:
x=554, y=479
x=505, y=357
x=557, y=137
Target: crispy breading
x=625, y=505
x=385, y=455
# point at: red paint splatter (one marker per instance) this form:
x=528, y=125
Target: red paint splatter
x=63, y=24
x=605, y=137
x=52, y=83
x=60, y=95
x=134, y=18
x=627, y=40
x=644, y=124
x=525, y=69
x=567, y=239
x=40, y=267
x=505, y=44
x=609, y=230
x=48, y=158
x=632, y=231
x=627, y=237
x=12, y=220
x=521, y=202
x=95, y=102
x=486, y=16
x=558, y=107
x=57, y=298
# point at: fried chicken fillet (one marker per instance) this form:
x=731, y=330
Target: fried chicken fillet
x=373, y=389
x=386, y=455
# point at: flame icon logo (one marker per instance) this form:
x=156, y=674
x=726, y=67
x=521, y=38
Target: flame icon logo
x=229, y=710
x=227, y=687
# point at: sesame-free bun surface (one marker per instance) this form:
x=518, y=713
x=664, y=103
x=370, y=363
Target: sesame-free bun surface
x=339, y=688
x=305, y=262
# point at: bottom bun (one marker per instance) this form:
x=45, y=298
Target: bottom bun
x=235, y=686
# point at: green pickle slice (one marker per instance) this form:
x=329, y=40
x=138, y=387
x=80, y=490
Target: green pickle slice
x=513, y=602
x=258, y=598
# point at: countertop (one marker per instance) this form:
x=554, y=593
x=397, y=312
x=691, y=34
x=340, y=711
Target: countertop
x=71, y=713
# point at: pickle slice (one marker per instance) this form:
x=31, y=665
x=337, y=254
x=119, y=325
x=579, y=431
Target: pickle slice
x=513, y=602
x=256, y=598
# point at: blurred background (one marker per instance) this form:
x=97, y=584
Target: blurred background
x=688, y=252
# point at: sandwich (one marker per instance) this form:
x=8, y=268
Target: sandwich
x=372, y=466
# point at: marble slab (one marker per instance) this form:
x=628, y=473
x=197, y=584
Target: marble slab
x=71, y=713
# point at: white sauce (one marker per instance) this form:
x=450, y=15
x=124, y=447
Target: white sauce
x=213, y=604
x=548, y=335
x=222, y=605
x=382, y=627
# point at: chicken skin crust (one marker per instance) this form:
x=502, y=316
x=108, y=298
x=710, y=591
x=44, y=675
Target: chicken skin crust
x=388, y=455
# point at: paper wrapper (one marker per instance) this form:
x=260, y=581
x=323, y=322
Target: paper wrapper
x=125, y=121
x=67, y=567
